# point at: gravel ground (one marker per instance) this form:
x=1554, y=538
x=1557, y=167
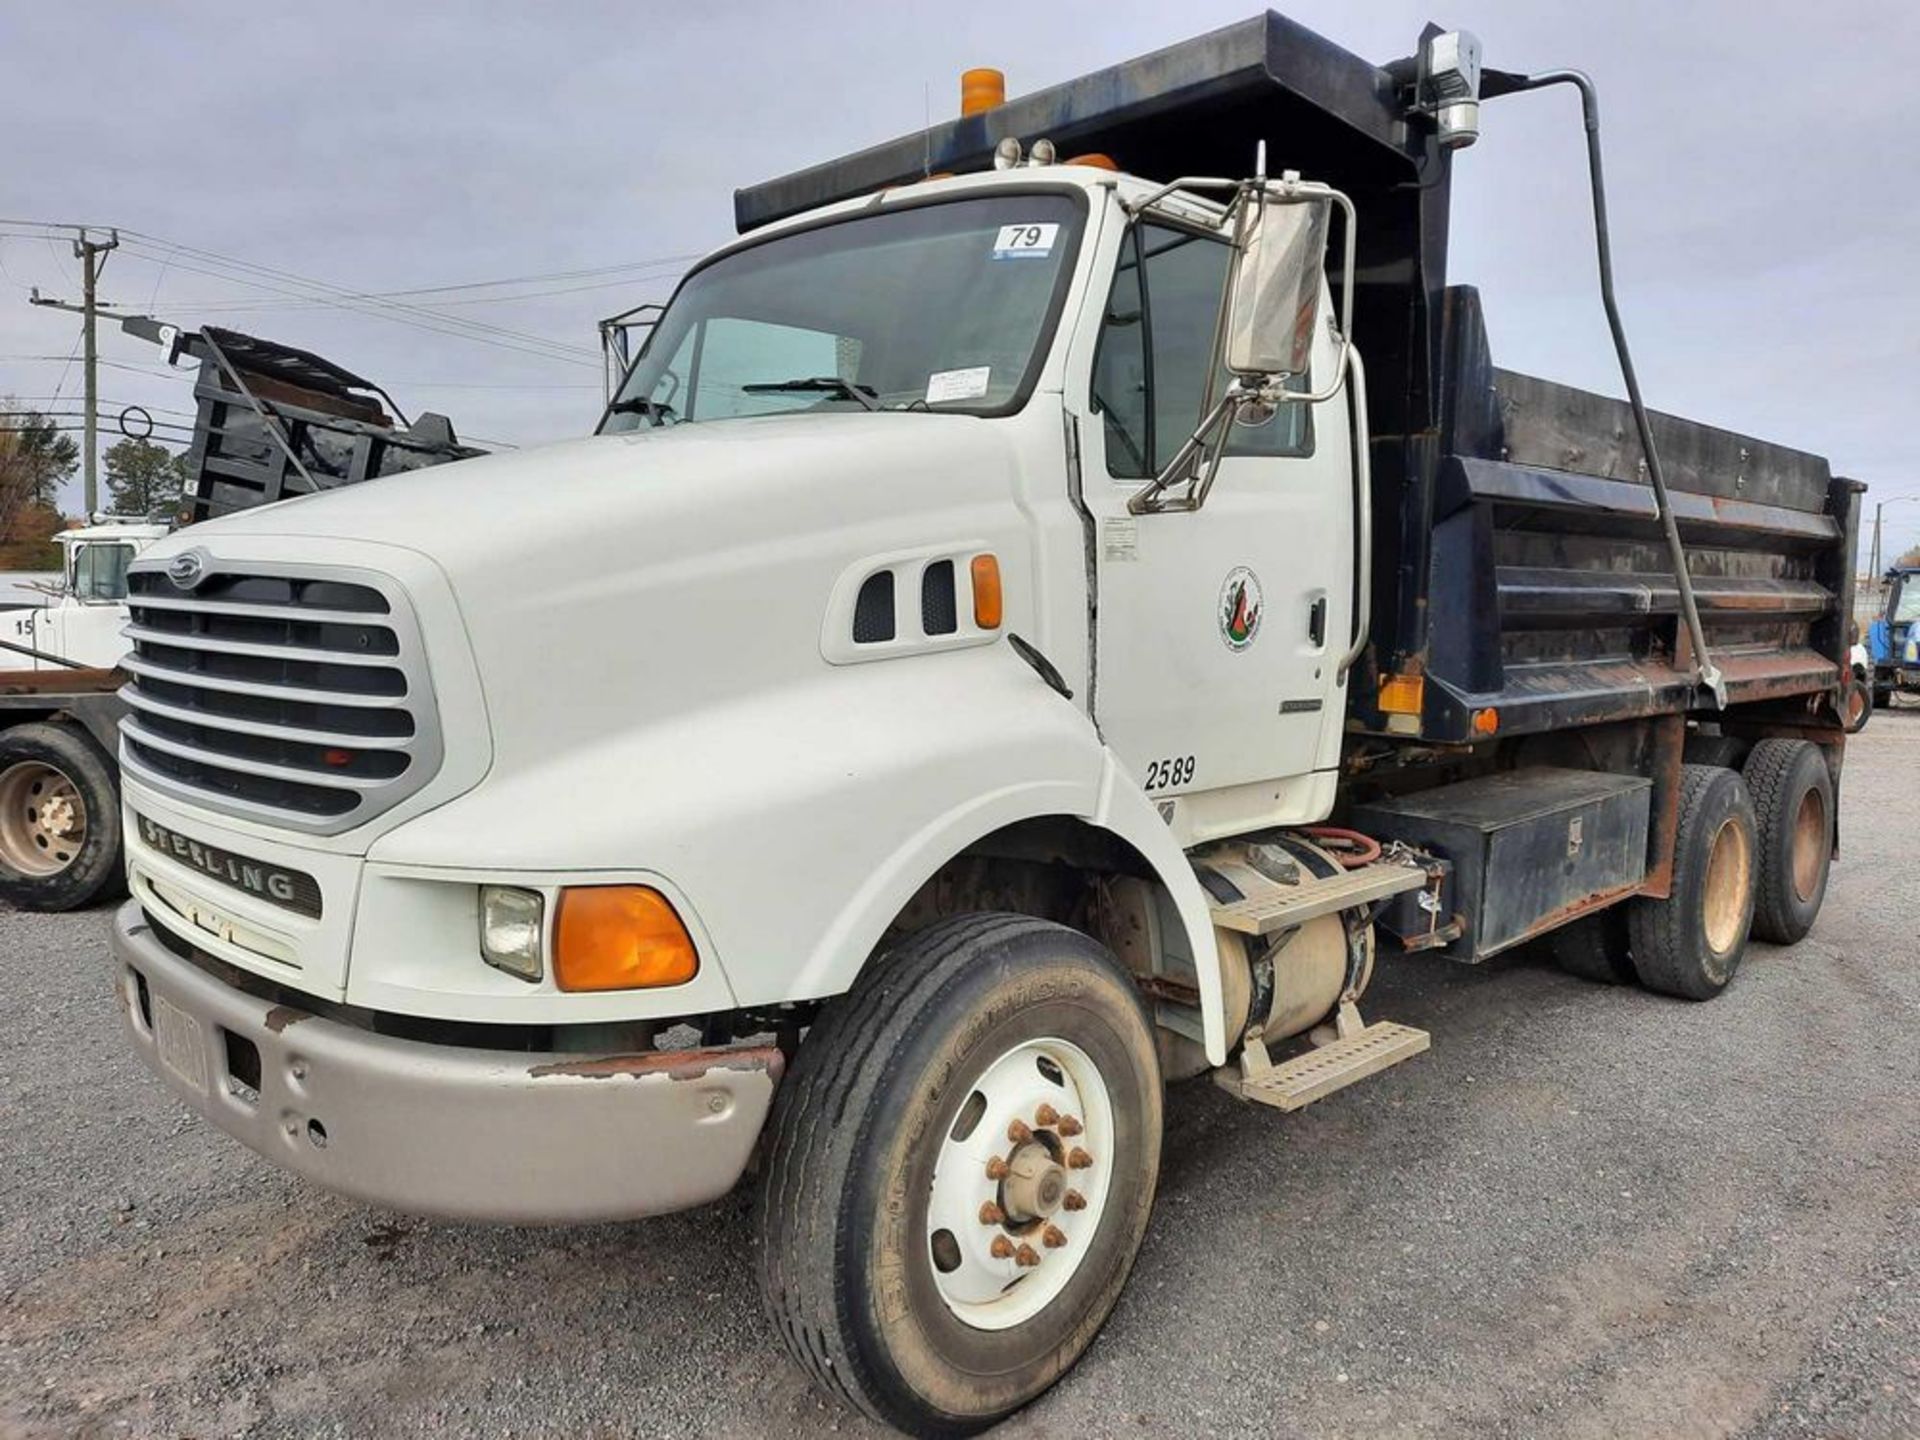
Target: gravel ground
x=1587, y=1212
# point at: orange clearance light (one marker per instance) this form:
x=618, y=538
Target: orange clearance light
x=619, y=937
x=1486, y=722
x=981, y=90
x=1096, y=160
x=1403, y=694
x=986, y=592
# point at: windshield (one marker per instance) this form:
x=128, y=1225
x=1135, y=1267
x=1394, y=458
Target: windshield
x=100, y=571
x=936, y=307
x=1906, y=601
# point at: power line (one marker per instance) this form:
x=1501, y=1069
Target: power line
x=623, y=275
x=247, y=272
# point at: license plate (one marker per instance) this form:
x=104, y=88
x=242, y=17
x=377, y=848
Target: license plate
x=181, y=1048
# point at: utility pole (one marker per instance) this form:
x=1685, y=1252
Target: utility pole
x=1873, y=565
x=92, y=255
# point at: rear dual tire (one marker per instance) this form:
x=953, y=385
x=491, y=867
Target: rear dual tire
x=881, y=1269
x=1691, y=942
x=1792, y=790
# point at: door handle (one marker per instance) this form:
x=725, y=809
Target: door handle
x=1317, y=622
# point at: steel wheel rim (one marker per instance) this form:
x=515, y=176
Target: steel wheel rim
x=1729, y=883
x=1021, y=1181
x=1809, y=844
x=43, y=821
x=1856, y=703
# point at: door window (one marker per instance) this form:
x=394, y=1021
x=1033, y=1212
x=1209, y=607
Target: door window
x=1149, y=373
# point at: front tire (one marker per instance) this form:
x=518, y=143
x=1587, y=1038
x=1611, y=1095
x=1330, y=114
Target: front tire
x=961, y=1166
x=1690, y=943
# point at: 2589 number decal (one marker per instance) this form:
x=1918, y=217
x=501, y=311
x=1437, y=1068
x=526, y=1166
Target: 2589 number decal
x=1163, y=774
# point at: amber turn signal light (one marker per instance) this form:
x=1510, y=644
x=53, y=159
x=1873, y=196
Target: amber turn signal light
x=619, y=937
x=986, y=592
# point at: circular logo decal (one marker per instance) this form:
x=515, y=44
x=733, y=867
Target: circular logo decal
x=1240, y=608
x=186, y=568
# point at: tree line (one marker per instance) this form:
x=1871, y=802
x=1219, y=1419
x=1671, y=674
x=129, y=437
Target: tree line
x=37, y=458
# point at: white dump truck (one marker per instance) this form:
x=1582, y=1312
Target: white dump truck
x=1002, y=652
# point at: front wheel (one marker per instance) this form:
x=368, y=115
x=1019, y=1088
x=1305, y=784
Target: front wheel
x=960, y=1170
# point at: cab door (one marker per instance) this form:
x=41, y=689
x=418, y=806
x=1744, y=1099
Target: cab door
x=1218, y=632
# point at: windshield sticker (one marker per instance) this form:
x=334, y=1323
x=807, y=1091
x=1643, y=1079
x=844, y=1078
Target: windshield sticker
x=1024, y=242
x=968, y=384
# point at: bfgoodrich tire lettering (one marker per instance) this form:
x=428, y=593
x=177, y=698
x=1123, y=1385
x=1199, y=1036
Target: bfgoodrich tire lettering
x=858, y=1127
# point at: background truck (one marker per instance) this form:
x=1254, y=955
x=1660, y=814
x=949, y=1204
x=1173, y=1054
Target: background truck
x=1893, y=640
x=270, y=422
x=1050, y=608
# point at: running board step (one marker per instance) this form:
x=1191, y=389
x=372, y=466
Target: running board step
x=1285, y=906
x=1293, y=1084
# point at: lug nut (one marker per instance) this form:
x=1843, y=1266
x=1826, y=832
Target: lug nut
x=997, y=1168
x=1002, y=1248
x=1019, y=1133
x=1074, y=1200
x=1078, y=1159
x=1053, y=1237
x=1069, y=1126
x=992, y=1214
x=1026, y=1257
x=1045, y=1116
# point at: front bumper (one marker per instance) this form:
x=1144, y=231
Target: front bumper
x=444, y=1130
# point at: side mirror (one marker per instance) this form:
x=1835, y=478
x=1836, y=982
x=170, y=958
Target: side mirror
x=1278, y=272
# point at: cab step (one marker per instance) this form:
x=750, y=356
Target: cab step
x=1284, y=906
x=1356, y=1051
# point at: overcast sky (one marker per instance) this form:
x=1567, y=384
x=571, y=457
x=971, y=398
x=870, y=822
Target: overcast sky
x=1767, y=222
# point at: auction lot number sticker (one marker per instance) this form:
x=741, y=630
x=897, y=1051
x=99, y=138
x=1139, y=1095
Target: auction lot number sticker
x=1025, y=242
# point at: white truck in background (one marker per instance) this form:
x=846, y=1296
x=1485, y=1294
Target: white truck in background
x=903, y=739
x=85, y=609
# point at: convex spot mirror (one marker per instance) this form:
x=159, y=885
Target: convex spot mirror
x=1278, y=274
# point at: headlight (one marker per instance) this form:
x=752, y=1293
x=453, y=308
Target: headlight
x=512, y=927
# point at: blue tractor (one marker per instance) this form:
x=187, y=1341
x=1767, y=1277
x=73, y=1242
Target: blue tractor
x=1893, y=641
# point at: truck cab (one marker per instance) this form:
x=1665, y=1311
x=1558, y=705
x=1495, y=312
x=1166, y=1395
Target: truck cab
x=82, y=621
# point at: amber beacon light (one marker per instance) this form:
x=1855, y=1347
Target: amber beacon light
x=981, y=90
x=620, y=937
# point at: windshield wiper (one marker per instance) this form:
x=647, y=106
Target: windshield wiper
x=865, y=394
x=658, y=411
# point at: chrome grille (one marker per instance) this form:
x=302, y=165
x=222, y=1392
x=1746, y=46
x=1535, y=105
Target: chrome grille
x=298, y=696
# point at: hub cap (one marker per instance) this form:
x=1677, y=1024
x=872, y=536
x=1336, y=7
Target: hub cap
x=43, y=823
x=1729, y=882
x=1809, y=844
x=1020, y=1184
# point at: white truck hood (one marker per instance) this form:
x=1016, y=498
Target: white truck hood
x=613, y=580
